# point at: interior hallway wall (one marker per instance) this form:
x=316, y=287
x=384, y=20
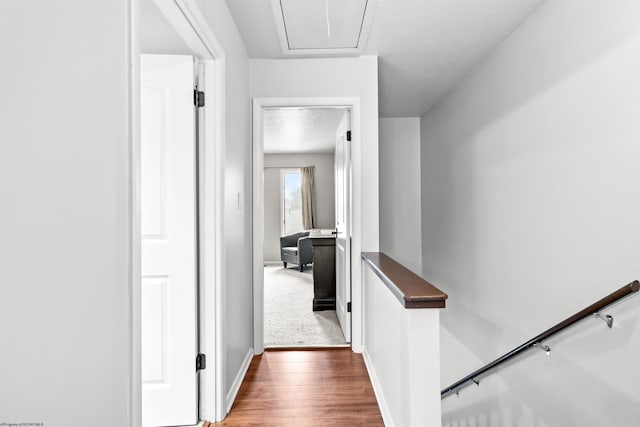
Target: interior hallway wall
x=65, y=217
x=530, y=202
x=324, y=179
x=65, y=230
x=400, y=220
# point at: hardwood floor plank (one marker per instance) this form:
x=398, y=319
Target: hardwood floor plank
x=306, y=388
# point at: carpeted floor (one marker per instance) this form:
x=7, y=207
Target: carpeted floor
x=288, y=316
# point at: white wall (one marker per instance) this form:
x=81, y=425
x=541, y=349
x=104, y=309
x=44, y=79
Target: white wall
x=237, y=219
x=324, y=191
x=401, y=351
x=400, y=220
x=65, y=245
x=64, y=213
x=338, y=77
x=530, y=203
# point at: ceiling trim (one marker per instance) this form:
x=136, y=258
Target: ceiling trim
x=365, y=30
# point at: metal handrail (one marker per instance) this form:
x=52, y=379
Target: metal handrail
x=593, y=310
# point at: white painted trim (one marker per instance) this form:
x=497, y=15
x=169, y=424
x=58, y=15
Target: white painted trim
x=217, y=376
x=237, y=382
x=259, y=104
x=135, y=234
x=367, y=22
x=257, y=226
x=186, y=18
x=279, y=21
x=191, y=25
x=377, y=389
x=212, y=255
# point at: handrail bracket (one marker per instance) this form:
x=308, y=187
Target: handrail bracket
x=608, y=319
x=543, y=347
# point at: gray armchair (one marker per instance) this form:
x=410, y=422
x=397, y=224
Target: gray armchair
x=296, y=249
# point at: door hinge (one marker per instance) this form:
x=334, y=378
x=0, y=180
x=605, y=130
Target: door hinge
x=198, y=98
x=201, y=361
x=349, y=135
x=349, y=307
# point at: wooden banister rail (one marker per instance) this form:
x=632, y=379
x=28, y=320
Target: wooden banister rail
x=593, y=309
x=410, y=289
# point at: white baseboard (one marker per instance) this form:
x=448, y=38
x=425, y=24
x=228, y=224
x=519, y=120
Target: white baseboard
x=377, y=389
x=237, y=382
x=272, y=263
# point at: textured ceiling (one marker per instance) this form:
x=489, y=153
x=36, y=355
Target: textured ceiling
x=303, y=130
x=424, y=46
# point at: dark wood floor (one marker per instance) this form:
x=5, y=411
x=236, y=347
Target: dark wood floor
x=306, y=388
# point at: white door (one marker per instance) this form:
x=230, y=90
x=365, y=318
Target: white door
x=343, y=223
x=169, y=386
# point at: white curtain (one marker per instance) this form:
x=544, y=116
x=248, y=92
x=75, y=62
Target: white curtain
x=308, y=199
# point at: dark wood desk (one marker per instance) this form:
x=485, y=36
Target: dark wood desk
x=324, y=272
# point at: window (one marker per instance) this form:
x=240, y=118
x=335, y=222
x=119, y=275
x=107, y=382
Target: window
x=291, y=201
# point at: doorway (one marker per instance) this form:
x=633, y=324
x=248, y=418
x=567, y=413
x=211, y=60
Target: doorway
x=291, y=305
x=180, y=168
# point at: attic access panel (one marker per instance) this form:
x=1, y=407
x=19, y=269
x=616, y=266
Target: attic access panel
x=323, y=24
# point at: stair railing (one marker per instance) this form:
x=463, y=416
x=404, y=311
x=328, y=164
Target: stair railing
x=594, y=310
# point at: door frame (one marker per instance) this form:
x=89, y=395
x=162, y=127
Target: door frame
x=190, y=24
x=259, y=104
